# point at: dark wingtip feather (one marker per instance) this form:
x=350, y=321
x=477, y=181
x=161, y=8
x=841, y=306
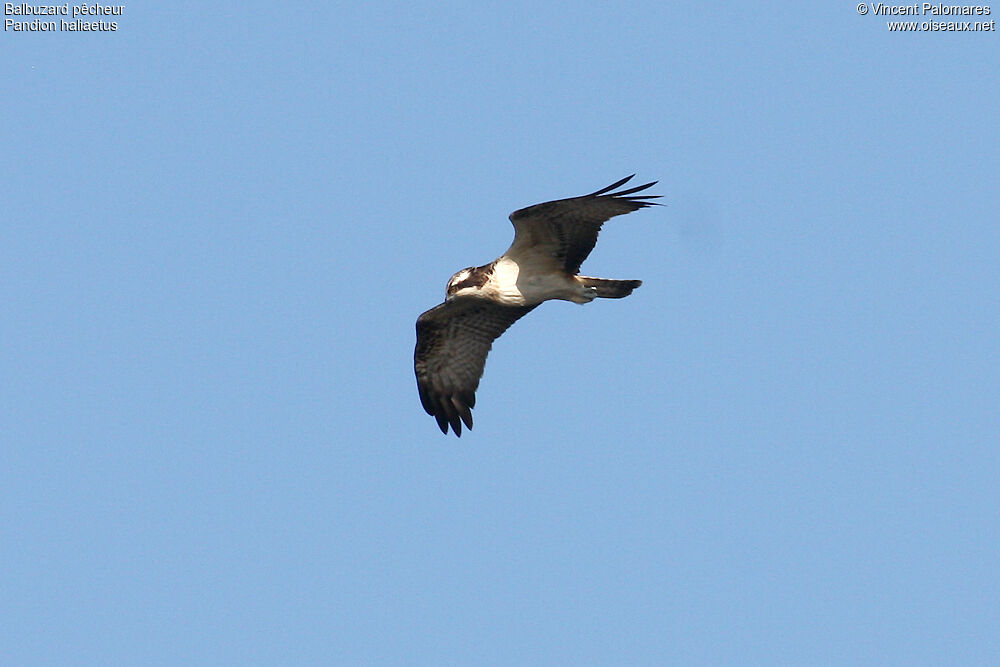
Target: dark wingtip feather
x=612, y=186
x=469, y=398
x=639, y=201
x=425, y=400
x=463, y=411
x=442, y=422
x=447, y=413
x=638, y=188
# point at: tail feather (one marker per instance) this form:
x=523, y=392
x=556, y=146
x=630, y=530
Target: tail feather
x=610, y=289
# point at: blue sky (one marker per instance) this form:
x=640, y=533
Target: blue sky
x=222, y=223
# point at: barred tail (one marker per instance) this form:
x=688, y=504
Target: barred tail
x=610, y=289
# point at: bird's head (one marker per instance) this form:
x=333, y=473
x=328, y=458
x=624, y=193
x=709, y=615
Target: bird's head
x=466, y=281
x=456, y=282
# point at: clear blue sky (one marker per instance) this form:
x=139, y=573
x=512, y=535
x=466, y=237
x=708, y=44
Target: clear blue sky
x=220, y=225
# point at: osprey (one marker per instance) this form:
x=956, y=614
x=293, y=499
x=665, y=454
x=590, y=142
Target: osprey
x=551, y=240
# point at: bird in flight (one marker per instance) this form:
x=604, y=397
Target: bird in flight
x=551, y=240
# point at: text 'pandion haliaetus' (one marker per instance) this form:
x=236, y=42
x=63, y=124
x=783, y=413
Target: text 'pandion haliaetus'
x=551, y=240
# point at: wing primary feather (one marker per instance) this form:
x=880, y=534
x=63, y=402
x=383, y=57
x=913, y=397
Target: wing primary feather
x=425, y=400
x=463, y=411
x=450, y=414
x=442, y=422
x=637, y=189
x=612, y=186
x=469, y=398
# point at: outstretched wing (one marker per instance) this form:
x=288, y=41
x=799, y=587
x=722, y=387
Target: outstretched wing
x=566, y=230
x=453, y=340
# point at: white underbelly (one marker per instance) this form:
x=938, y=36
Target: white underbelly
x=518, y=285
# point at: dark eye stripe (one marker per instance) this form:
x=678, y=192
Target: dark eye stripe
x=478, y=277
